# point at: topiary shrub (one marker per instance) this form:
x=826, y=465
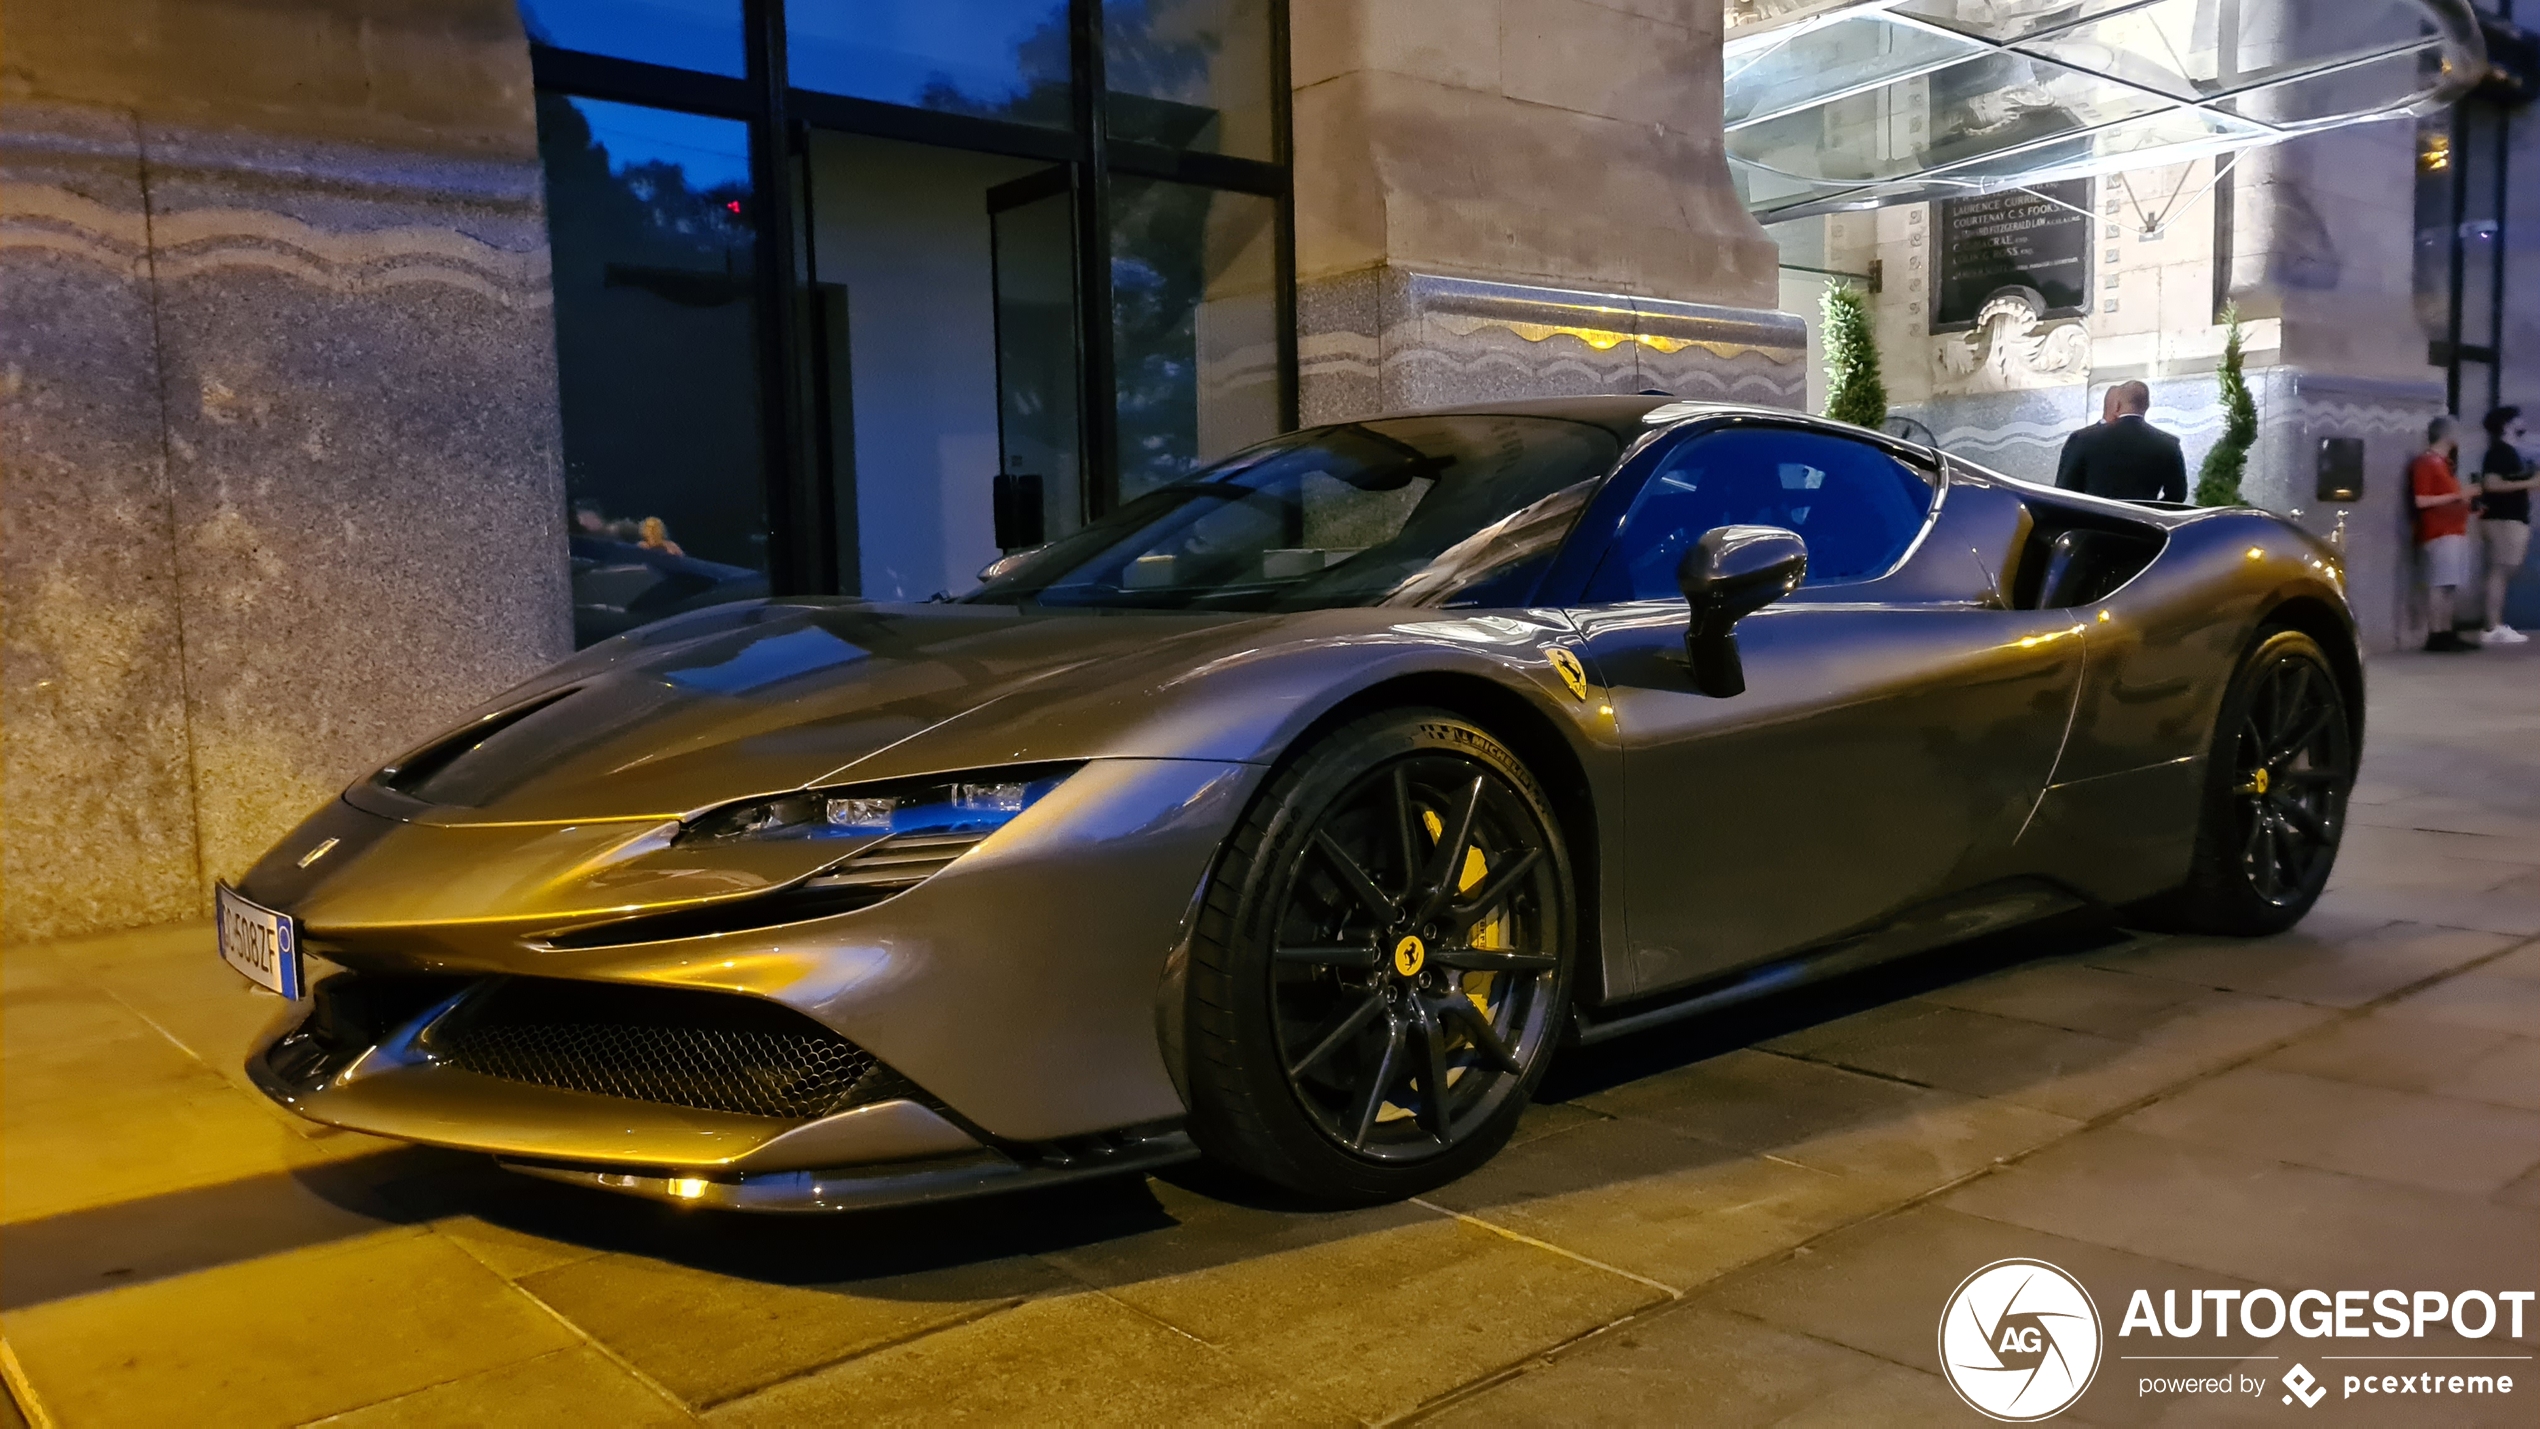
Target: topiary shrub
x=1854, y=392
x=2218, y=480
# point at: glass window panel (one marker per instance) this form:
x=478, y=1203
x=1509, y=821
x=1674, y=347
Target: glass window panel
x=1190, y=74
x=2009, y=19
x=648, y=216
x=2165, y=47
x=1827, y=60
x=996, y=59
x=1456, y=510
x=2432, y=275
x=1038, y=392
x=1745, y=18
x=2173, y=137
x=2177, y=46
x=690, y=34
x=2381, y=85
x=1854, y=505
x=1194, y=324
x=1971, y=109
x=1764, y=191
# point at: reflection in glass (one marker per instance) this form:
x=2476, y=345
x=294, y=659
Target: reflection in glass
x=908, y=233
x=1863, y=49
x=2353, y=89
x=2175, y=135
x=690, y=34
x=1194, y=324
x=1426, y=511
x=2010, y=19
x=1190, y=74
x=648, y=219
x=1038, y=394
x=1984, y=106
x=2178, y=46
x=997, y=59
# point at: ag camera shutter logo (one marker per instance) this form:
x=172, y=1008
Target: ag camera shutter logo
x=2019, y=1340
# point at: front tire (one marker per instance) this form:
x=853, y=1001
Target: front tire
x=2276, y=785
x=1382, y=964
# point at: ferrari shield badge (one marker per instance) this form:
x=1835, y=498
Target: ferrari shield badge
x=1410, y=955
x=1567, y=666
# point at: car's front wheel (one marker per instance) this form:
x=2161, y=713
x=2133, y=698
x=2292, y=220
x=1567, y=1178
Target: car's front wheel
x=2276, y=783
x=1382, y=964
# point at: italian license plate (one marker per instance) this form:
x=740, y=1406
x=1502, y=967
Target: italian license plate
x=260, y=943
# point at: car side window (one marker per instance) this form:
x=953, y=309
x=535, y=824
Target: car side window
x=1857, y=507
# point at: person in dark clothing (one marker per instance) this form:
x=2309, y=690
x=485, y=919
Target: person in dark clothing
x=2124, y=456
x=2504, y=510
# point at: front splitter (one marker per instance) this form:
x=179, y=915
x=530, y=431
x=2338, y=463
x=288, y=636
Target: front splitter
x=856, y=1188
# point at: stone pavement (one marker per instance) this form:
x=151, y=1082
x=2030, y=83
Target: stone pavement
x=1751, y=1221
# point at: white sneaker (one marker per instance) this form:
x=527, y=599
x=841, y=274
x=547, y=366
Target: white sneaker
x=2503, y=635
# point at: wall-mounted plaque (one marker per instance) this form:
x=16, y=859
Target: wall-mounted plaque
x=2341, y=469
x=2011, y=240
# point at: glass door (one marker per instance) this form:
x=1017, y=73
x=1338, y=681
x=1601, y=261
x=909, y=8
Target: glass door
x=1039, y=492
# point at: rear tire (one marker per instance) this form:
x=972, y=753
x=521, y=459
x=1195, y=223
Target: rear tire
x=2274, y=807
x=1369, y=1008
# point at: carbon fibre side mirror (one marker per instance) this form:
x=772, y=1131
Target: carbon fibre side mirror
x=1728, y=575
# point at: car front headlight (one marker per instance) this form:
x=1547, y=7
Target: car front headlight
x=976, y=803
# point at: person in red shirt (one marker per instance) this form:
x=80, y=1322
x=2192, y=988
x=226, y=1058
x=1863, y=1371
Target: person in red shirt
x=2442, y=511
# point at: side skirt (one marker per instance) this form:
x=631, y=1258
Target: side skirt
x=1933, y=925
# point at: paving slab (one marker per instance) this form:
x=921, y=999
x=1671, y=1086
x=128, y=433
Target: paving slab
x=1072, y=1359
x=2417, y=1054
x=708, y=1338
x=2252, y=1216
x=575, y=1386
x=2304, y=966
x=279, y=1339
x=1695, y=1364
x=2440, y=1143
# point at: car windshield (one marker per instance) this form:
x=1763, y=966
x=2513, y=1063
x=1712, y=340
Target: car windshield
x=1430, y=511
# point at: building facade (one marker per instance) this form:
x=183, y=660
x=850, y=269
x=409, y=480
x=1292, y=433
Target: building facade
x=360, y=357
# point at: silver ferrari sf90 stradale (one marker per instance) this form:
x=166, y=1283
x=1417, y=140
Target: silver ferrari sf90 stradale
x=1292, y=814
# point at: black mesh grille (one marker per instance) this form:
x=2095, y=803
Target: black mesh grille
x=710, y=1051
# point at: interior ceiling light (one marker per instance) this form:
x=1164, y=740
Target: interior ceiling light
x=1835, y=105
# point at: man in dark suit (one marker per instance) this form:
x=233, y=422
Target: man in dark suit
x=2124, y=456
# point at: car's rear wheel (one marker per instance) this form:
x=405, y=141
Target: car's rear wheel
x=2276, y=784
x=1382, y=963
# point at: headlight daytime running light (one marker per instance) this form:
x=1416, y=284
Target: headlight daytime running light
x=980, y=803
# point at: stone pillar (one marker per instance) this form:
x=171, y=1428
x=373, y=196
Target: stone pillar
x=1502, y=198
x=277, y=423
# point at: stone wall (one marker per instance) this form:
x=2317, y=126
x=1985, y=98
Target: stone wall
x=277, y=423
x=1563, y=155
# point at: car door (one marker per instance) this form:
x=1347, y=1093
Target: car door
x=1898, y=720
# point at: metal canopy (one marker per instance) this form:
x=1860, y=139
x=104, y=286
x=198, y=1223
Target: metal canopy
x=1834, y=105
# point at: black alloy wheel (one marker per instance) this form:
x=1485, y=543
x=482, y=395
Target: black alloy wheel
x=2290, y=774
x=2282, y=765
x=1382, y=964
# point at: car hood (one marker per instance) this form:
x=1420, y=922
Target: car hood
x=733, y=704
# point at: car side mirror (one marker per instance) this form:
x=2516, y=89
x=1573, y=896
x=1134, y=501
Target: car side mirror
x=1731, y=573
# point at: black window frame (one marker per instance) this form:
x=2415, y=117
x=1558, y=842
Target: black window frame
x=803, y=539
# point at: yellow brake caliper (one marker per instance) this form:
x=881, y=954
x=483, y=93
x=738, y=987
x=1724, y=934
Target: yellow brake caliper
x=1477, y=985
